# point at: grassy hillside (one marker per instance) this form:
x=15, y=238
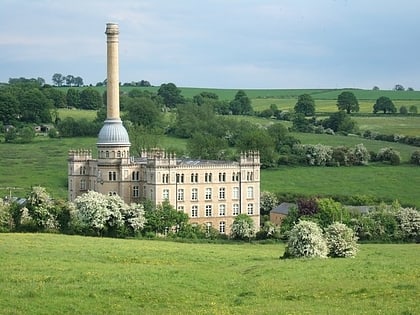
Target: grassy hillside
x=58, y=274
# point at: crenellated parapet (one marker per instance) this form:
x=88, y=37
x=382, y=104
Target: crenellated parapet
x=250, y=158
x=79, y=155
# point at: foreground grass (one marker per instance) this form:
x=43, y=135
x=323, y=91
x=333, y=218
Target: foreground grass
x=57, y=274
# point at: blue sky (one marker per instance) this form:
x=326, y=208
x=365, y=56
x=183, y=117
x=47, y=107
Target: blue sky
x=217, y=43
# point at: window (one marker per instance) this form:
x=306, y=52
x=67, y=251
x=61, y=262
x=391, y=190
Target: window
x=250, y=192
x=135, y=191
x=135, y=176
x=194, y=211
x=222, y=210
x=107, y=154
x=82, y=170
x=194, y=194
x=250, y=208
x=235, y=209
x=222, y=227
x=208, y=177
x=165, y=178
x=222, y=193
x=112, y=193
x=208, y=194
x=179, y=178
x=208, y=227
x=194, y=177
x=222, y=177
x=249, y=175
x=118, y=154
x=180, y=195
x=208, y=211
x=83, y=184
x=165, y=194
x=235, y=193
x=235, y=177
x=181, y=208
x=112, y=176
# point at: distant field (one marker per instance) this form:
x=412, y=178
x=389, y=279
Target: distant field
x=44, y=163
x=383, y=181
x=77, y=114
x=59, y=274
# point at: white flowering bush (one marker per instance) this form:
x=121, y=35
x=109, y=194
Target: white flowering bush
x=243, y=227
x=360, y=154
x=409, y=222
x=341, y=240
x=133, y=217
x=315, y=155
x=389, y=155
x=268, y=201
x=306, y=241
x=6, y=220
x=106, y=215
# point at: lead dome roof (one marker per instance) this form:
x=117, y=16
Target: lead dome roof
x=113, y=133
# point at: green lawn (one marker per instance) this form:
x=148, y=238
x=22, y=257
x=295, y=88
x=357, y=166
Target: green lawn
x=58, y=274
x=383, y=181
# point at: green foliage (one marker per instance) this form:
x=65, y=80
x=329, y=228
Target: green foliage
x=348, y=102
x=243, y=227
x=341, y=240
x=9, y=106
x=90, y=98
x=35, y=107
x=389, y=155
x=384, y=104
x=163, y=218
x=340, y=122
x=171, y=95
x=415, y=158
x=305, y=105
x=143, y=111
x=306, y=241
x=241, y=104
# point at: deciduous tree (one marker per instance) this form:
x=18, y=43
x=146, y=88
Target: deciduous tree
x=347, y=101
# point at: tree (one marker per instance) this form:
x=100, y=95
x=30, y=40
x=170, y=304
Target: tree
x=305, y=105
x=340, y=121
x=347, y=101
x=163, y=218
x=69, y=80
x=283, y=141
x=73, y=98
x=9, y=106
x=78, y=81
x=35, y=107
x=143, y=111
x=412, y=109
x=385, y=104
x=241, y=104
x=58, y=79
x=398, y=87
x=207, y=146
x=90, y=99
x=243, y=227
x=171, y=95
x=403, y=110
x=268, y=201
x=57, y=96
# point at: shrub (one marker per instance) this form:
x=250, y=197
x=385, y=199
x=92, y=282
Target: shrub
x=306, y=241
x=389, y=155
x=243, y=227
x=415, y=158
x=409, y=222
x=341, y=240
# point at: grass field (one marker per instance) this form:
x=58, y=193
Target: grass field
x=58, y=274
x=385, y=182
x=44, y=163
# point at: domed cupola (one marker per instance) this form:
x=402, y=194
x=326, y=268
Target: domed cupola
x=113, y=133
